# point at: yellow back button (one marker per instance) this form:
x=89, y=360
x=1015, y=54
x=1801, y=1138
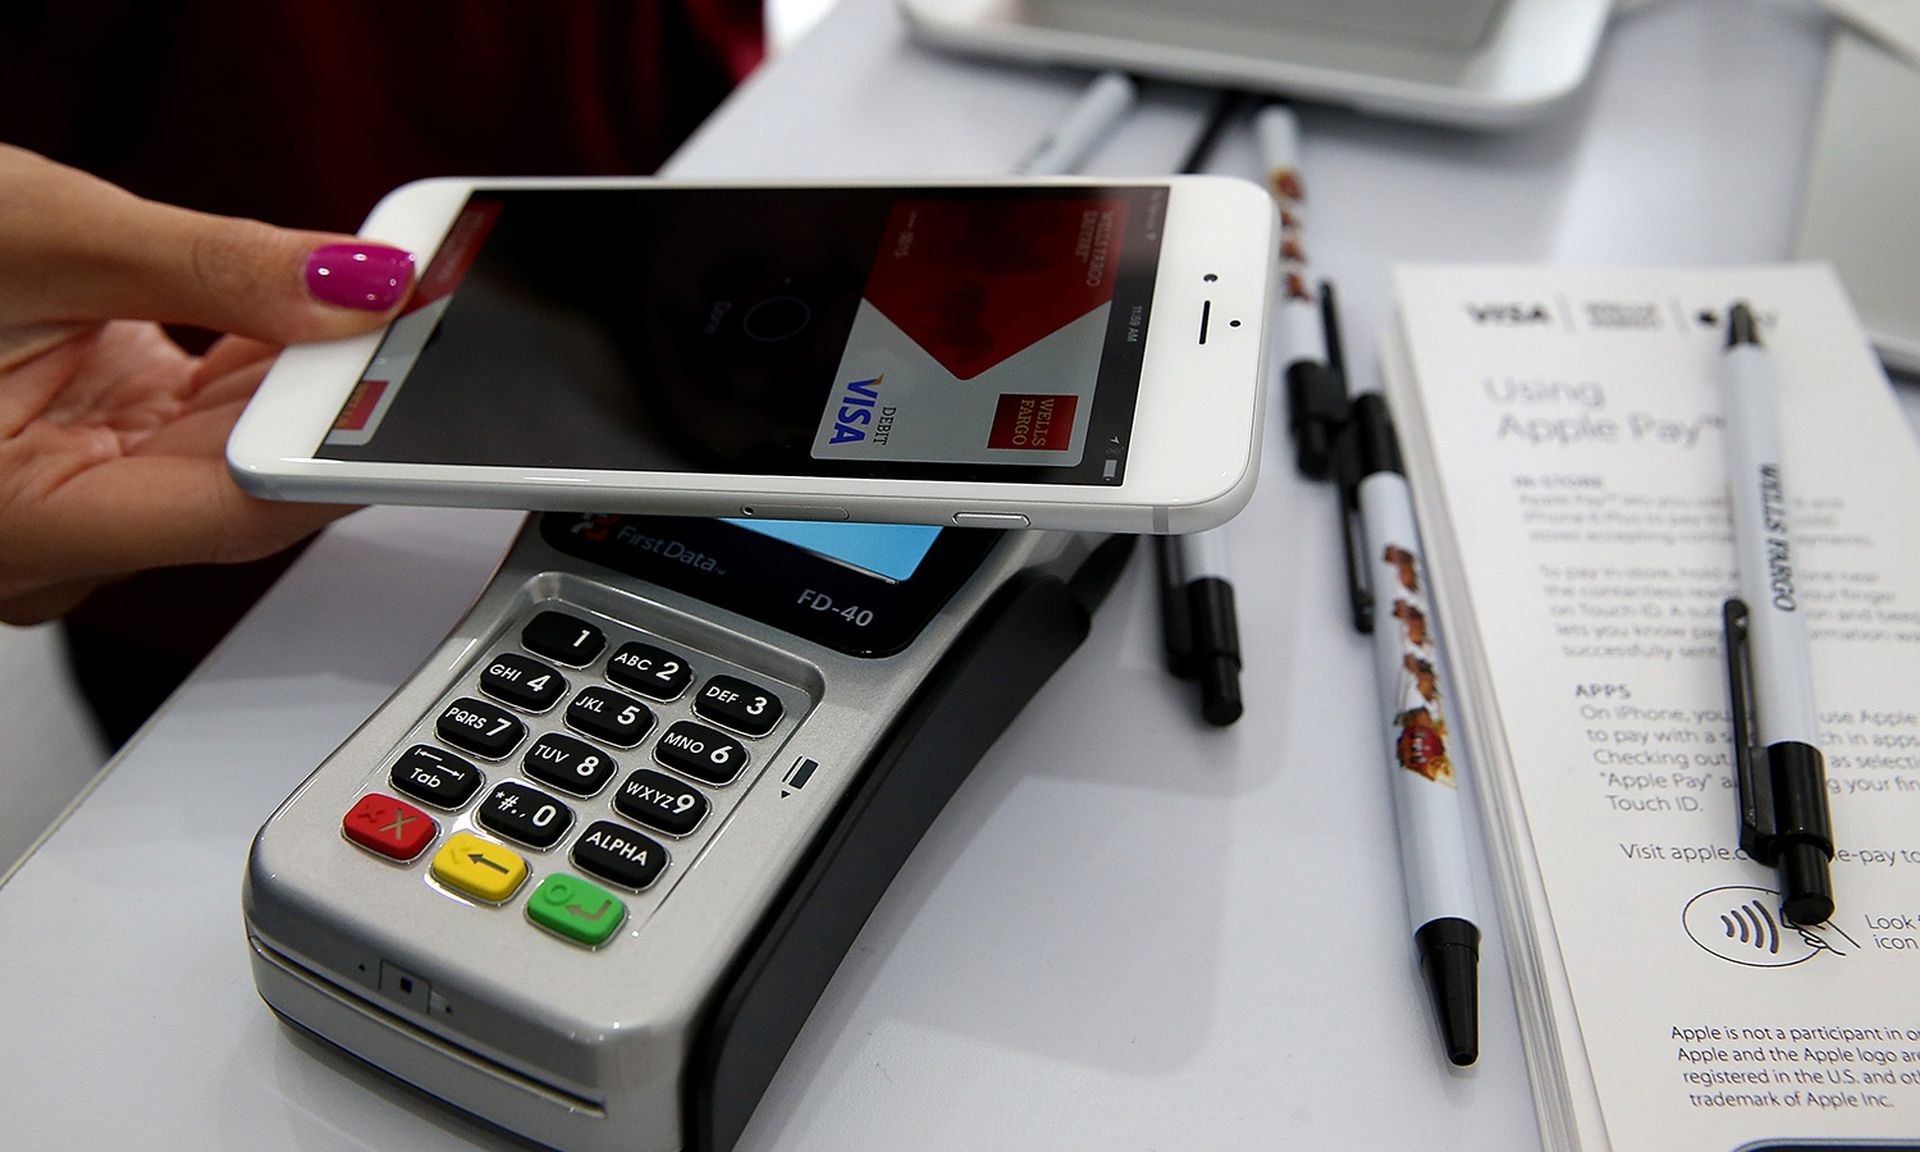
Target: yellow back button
x=479, y=868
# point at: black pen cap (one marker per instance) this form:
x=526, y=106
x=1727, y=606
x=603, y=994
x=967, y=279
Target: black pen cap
x=1450, y=960
x=1742, y=328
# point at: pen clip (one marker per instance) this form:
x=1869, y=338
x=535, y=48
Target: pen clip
x=1346, y=464
x=1757, y=821
x=1176, y=612
x=1353, y=542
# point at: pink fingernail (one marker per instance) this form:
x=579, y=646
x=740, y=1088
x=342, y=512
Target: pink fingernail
x=370, y=277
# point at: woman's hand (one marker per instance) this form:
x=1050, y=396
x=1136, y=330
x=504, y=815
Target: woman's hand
x=112, y=439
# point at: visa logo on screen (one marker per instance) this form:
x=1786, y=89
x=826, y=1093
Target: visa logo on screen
x=856, y=410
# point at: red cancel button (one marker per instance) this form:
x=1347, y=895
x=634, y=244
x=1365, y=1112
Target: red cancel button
x=1033, y=423
x=393, y=828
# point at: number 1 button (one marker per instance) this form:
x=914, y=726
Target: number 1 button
x=568, y=639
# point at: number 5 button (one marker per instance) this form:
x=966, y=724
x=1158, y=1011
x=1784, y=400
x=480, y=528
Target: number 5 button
x=612, y=716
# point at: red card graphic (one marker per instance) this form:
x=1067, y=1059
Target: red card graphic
x=976, y=281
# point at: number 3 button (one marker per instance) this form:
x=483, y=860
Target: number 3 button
x=739, y=705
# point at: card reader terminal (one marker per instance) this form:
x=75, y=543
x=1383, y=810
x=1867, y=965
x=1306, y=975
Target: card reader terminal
x=585, y=874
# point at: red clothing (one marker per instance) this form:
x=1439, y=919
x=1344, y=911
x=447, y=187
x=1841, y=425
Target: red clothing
x=303, y=114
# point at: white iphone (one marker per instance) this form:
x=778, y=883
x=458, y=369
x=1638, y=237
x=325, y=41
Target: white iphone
x=1052, y=353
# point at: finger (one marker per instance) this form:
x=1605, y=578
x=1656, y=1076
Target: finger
x=240, y=384
x=44, y=604
x=153, y=511
x=230, y=353
x=78, y=248
x=200, y=433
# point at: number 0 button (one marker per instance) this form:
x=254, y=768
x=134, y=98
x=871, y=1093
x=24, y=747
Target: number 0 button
x=739, y=705
x=481, y=728
x=612, y=716
x=525, y=814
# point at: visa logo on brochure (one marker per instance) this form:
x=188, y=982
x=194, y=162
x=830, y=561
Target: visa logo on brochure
x=857, y=407
x=1502, y=313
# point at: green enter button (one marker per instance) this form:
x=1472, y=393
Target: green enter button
x=582, y=912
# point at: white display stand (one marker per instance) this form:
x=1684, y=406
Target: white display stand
x=1388, y=59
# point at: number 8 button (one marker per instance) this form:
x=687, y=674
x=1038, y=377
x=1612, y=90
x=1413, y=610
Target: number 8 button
x=569, y=764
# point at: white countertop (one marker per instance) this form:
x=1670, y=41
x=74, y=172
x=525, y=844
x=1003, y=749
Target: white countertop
x=1127, y=930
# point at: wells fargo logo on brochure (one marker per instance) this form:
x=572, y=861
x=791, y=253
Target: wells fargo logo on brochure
x=978, y=338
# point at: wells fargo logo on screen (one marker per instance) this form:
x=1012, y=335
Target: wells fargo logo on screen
x=1033, y=422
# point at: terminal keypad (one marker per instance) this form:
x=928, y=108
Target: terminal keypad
x=566, y=732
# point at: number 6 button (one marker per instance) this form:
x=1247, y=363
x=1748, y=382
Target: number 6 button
x=701, y=752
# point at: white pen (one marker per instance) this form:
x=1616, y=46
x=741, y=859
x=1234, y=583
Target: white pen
x=1106, y=100
x=1779, y=770
x=1428, y=811
x=1316, y=401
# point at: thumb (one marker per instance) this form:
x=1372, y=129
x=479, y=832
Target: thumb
x=73, y=247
